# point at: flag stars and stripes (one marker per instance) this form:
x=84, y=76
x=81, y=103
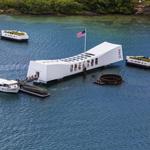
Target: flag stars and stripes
x=81, y=34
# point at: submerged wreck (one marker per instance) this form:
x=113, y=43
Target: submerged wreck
x=109, y=79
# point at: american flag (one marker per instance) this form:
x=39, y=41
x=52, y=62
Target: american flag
x=81, y=34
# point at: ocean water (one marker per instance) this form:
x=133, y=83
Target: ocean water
x=78, y=115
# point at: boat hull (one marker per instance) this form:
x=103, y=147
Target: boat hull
x=14, y=39
x=8, y=90
x=137, y=65
x=138, y=61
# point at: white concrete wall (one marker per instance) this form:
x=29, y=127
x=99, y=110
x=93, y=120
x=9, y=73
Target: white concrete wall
x=112, y=56
x=37, y=67
x=59, y=70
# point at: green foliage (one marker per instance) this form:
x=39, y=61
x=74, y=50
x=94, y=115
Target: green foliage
x=109, y=6
x=5, y=4
x=68, y=6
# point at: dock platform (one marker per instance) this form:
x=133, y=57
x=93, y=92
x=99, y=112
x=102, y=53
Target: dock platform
x=33, y=90
x=34, y=93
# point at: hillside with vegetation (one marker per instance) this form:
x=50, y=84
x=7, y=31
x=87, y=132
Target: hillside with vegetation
x=67, y=7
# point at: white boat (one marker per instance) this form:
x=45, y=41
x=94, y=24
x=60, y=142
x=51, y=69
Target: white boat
x=14, y=35
x=48, y=70
x=9, y=86
x=139, y=61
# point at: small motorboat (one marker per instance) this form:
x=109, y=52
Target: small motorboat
x=109, y=79
x=9, y=86
x=139, y=61
x=14, y=35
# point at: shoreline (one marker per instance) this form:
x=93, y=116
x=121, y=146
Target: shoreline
x=84, y=13
x=73, y=8
x=76, y=15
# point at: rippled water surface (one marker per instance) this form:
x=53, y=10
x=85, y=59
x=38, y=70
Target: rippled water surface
x=78, y=115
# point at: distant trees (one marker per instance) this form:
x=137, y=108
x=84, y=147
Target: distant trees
x=108, y=6
x=69, y=6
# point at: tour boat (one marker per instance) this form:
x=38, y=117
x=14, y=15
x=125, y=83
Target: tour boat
x=9, y=86
x=139, y=61
x=14, y=35
x=101, y=55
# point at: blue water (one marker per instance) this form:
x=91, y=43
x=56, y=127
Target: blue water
x=78, y=115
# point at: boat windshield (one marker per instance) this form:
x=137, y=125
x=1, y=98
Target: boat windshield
x=142, y=58
x=5, y=85
x=16, y=33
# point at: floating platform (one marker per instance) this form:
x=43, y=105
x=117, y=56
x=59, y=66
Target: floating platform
x=33, y=90
x=109, y=79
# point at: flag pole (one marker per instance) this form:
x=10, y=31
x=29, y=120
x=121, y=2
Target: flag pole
x=85, y=40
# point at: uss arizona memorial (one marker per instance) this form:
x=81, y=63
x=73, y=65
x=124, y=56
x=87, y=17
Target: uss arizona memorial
x=101, y=55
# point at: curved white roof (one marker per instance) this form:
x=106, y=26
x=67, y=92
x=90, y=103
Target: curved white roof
x=96, y=51
x=103, y=48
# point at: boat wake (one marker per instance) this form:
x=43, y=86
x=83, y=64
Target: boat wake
x=13, y=67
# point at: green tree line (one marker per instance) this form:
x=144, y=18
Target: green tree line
x=68, y=6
